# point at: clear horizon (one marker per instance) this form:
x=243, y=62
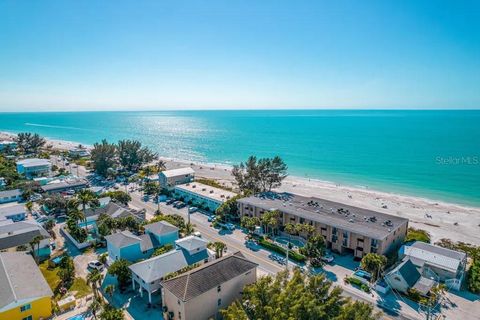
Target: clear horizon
x=196, y=55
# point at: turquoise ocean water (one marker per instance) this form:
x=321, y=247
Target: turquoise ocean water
x=435, y=154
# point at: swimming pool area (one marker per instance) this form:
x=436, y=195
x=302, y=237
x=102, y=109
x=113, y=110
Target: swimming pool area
x=83, y=316
x=363, y=274
x=295, y=242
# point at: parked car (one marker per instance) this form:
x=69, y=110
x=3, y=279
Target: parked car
x=328, y=258
x=95, y=264
x=169, y=201
x=212, y=218
x=197, y=234
x=146, y=198
x=192, y=209
x=230, y=226
x=180, y=205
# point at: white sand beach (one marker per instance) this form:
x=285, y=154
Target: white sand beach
x=441, y=219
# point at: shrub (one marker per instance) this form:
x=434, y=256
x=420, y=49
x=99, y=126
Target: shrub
x=417, y=235
x=295, y=256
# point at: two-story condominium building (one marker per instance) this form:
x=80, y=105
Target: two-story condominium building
x=126, y=245
x=168, y=179
x=199, y=294
x=15, y=235
x=34, y=168
x=345, y=228
x=24, y=293
x=204, y=196
x=7, y=196
x=16, y=212
x=149, y=274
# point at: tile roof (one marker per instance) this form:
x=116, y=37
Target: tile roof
x=200, y=280
x=358, y=220
x=434, y=255
x=160, y=228
x=20, y=279
x=156, y=268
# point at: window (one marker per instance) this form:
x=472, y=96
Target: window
x=219, y=302
x=179, y=315
x=219, y=288
x=28, y=318
x=25, y=307
x=334, y=231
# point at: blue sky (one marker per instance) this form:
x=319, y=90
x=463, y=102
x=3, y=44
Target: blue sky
x=94, y=55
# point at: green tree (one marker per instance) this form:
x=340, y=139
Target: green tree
x=314, y=250
x=162, y=250
x=219, y=247
x=473, y=277
x=94, y=279
x=151, y=188
x=87, y=198
x=118, y=196
x=110, y=290
x=417, y=235
x=29, y=143
x=103, y=157
x=133, y=155
x=229, y=209
x=120, y=270
x=373, y=263
x=298, y=297
x=260, y=176
x=35, y=247
x=250, y=223
x=29, y=188
x=66, y=271
x=95, y=306
x=110, y=313
x=269, y=221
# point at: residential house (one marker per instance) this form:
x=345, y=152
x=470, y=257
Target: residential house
x=170, y=178
x=19, y=234
x=346, y=229
x=10, y=196
x=64, y=185
x=201, y=293
x=16, y=212
x=202, y=195
x=7, y=145
x=78, y=152
x=442, y=264
x=405, y=276
x=113, y=210
x=24, y=293
x=150, y=273
x=34, y=167
x=126, y=245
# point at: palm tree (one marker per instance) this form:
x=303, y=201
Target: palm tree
x=110, y=289
x=161, y=166
x=95, y=306
x=95, y=278
x=35, y=242
x=219, y=247
x=188, y=229
x=86, y=198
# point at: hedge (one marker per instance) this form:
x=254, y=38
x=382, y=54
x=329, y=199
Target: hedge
x=295, y=256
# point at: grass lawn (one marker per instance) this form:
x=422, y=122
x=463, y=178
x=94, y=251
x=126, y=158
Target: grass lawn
x=79, y=286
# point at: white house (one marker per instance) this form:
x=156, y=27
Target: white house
x=202, y=195
x=168, y=179
x=441, y=264
x=34, y=167
x=200, y=293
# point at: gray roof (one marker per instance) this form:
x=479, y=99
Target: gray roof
x=191, y=243
x=115, y=210
x=358, y=220
x=212, y=274
x=64, y=185
x=20, y=279
x=424, y=285
x=123, y=239
x=14, y=234
x=161, y=227
x=10, y=193
x=12, y=210
x=409, y=272
x=156, y=268
x=147, y=242
x=434, y=255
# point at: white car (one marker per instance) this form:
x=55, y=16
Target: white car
x=328, y=258
x=95, y=264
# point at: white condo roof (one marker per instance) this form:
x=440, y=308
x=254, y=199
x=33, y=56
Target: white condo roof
x=206, y=191
x=177, y=172
x=34, y=162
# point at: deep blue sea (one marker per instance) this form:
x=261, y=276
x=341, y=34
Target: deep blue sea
x=435, y=154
